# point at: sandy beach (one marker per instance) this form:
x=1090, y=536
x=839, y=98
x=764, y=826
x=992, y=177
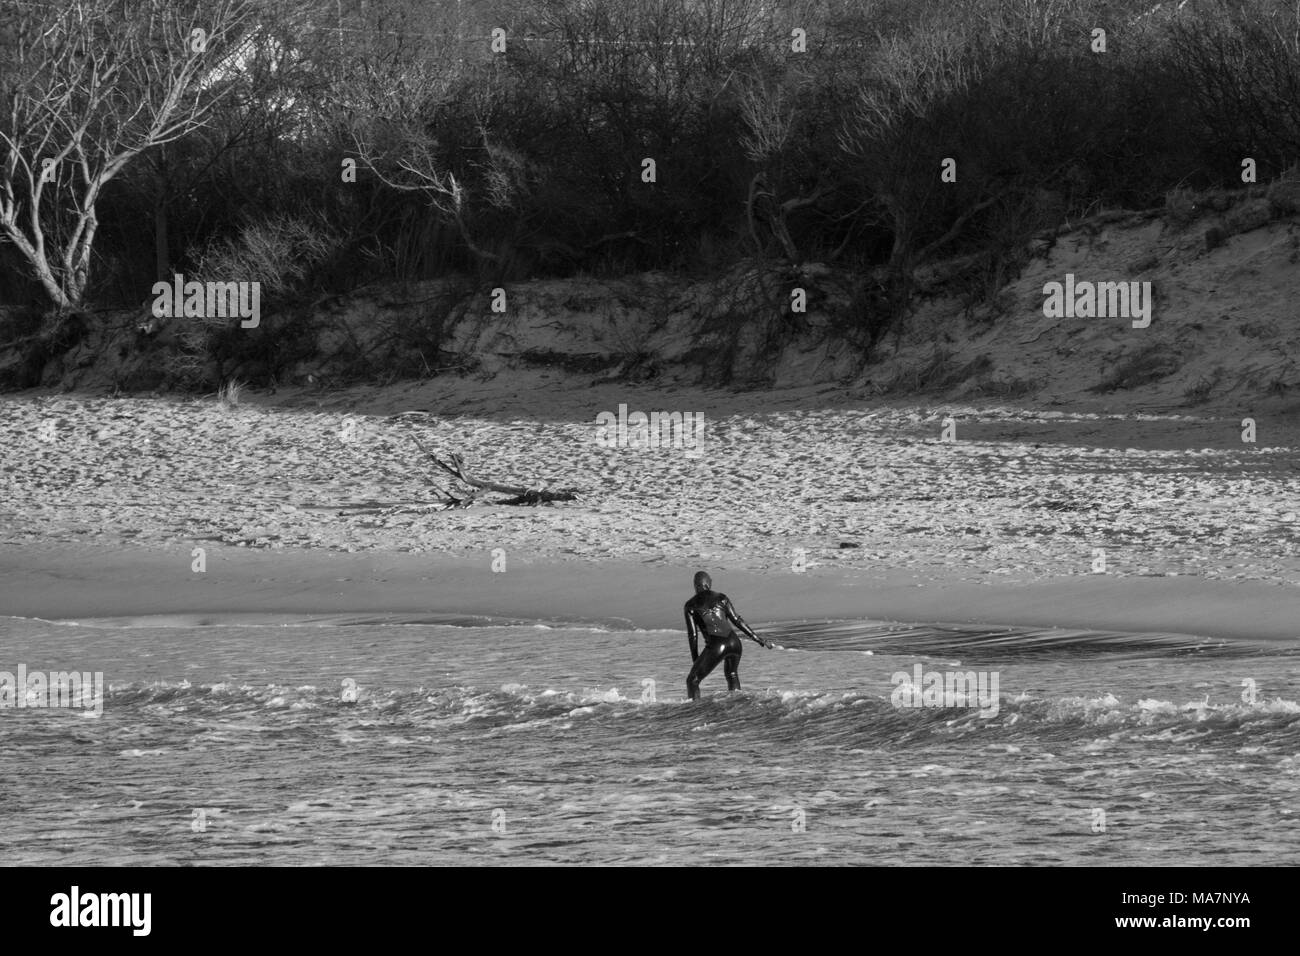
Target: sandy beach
x=321, y=504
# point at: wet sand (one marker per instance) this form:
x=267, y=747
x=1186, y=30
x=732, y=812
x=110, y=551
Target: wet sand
x=80, y=582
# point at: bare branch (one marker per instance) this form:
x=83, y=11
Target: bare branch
x=99, y=82
x=455, y=466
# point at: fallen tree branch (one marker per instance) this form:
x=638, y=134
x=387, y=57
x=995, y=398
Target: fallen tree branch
x=455, y=466
x=956, y=229
x=1128, y=217
x=393, y=507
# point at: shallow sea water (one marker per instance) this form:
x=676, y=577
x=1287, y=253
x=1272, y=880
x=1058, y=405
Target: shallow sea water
x=523, y=744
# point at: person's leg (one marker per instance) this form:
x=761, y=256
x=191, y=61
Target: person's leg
x=709, y=657
x=731, y=667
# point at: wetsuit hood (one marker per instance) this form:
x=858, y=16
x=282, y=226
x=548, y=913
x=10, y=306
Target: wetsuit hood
x=703, y=582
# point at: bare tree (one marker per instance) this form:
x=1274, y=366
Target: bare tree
x=770, y=114
x=887, y=124
x=410, y=162
x=86, y=86
x=389, y=100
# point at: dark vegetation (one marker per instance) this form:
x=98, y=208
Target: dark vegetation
x=528, y=163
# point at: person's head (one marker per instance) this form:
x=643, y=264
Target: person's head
x=703, y=582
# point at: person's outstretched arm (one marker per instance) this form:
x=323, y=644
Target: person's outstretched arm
x=692, y=634
x=739, y=622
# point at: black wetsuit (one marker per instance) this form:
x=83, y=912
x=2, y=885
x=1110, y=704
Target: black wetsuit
x=711, y=613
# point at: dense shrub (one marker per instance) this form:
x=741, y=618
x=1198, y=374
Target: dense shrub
x=529, y=163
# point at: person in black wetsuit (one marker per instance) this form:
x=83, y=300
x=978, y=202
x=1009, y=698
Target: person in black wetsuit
x=711, y=612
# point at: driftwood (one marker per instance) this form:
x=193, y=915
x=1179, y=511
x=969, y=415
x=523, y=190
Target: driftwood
x=522, y=495
x=389, y=508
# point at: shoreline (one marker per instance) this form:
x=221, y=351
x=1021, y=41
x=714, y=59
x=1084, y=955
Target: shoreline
x=94, y=582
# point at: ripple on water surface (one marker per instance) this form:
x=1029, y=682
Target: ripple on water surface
x=520, y=744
